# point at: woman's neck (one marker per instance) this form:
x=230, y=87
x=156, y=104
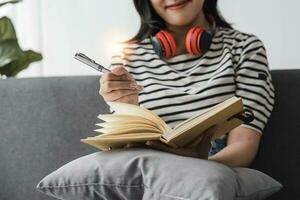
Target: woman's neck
x=179, y=32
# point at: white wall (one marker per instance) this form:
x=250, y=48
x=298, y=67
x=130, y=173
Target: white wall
x=88, y=26
x=275, y=22
x=60, y=28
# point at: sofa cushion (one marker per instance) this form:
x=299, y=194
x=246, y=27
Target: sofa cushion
x=42, y=120
x=278, y=153
x=151, y=174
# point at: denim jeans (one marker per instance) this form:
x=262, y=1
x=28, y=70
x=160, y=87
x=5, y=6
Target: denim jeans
x=217, y=145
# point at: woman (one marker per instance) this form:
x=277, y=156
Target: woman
x=178, y=82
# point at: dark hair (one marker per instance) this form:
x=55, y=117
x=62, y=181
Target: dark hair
x=151, y=22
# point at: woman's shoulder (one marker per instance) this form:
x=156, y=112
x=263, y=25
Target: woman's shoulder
x=238, y=37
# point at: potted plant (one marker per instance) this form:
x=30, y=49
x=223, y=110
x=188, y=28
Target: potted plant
x=12, y=58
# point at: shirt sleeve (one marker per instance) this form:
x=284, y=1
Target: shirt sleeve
x=254, y=83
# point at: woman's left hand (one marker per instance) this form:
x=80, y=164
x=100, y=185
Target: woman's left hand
x=198, y=149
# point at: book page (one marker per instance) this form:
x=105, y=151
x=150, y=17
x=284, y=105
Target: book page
x=130, y=135
x=127, y=129
x=126, y=123
x=124, y=119
x=104, y=143
x=130, y=109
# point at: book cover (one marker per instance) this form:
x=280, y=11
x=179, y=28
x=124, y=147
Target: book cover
x=132, y=123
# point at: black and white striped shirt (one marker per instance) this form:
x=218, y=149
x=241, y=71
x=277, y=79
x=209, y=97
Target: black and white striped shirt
x=175, y=89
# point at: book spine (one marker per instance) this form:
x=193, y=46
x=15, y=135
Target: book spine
x=164, y=140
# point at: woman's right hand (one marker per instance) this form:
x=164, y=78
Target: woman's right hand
x=119, y=86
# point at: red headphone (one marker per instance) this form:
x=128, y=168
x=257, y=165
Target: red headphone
x=197, y=42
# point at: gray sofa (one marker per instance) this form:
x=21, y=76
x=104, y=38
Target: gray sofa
x=42, y=120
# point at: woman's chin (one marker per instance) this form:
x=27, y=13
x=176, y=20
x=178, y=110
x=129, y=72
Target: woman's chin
x=179, y=22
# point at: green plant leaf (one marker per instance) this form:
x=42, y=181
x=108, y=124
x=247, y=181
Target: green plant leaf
x=9, y=51
x=12, y=58
x=7, y=30
x=3, y=2
x=23, y=61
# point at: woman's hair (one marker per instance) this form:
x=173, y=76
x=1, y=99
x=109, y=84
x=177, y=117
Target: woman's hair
x=151, y=22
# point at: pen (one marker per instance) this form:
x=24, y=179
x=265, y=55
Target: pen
x=86, y=60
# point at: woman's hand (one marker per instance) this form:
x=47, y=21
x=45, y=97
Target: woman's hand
x=198, y=149
x=119, y=86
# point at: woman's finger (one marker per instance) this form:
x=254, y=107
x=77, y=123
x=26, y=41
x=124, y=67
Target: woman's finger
x=109, y=86
x=160, y=146
x=119, y=70
x=196, y=142
x=135, y=145
x=118, y=94
x=108, y=76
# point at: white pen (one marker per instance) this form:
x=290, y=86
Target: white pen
x=86, y=60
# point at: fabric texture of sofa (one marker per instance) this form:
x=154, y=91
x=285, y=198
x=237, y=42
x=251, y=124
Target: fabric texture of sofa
x=43, y=119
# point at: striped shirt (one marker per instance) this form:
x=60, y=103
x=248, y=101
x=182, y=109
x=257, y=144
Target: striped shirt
x=235, y=65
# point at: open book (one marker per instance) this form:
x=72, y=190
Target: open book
x=132, y=123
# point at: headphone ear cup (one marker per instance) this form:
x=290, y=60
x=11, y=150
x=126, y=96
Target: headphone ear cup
x=164, y=44
x=191, y=40
x=205, y=41
x=197, y=41
x=157, y=47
